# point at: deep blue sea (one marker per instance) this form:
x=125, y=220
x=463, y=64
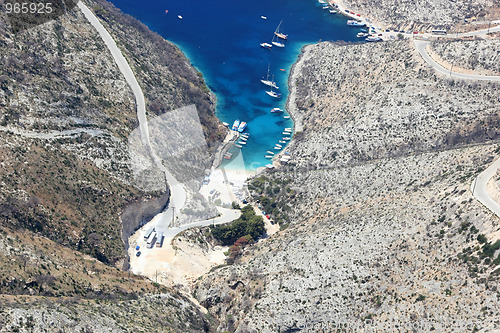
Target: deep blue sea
x=221, y=38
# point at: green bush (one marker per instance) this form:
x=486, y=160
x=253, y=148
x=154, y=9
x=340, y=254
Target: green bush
x=248, y=224
x=481, y=238
x=489, y=249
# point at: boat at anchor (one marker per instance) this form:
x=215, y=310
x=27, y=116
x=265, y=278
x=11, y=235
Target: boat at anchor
x=280, y=34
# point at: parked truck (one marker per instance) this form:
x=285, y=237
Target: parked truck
x=148, y=233
x=151, y=240
x=159, y=239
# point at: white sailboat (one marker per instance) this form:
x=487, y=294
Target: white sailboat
x=275, y=42
x=268, y=82
x=279, y=34
x=273, y=93
x=266, y=46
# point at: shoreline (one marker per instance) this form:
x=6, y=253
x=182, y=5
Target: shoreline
x=290, y=109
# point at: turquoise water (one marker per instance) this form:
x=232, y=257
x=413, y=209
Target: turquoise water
x=221, y=38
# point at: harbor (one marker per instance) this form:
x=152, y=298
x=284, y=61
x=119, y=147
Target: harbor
x=229, y=55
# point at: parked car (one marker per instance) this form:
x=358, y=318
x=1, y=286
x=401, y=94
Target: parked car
x=138, y=254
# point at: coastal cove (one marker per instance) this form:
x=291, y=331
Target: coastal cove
x=221, y=39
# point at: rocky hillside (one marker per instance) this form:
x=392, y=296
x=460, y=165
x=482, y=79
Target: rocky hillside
x=380, y=230
x=66, y=114
x=479, y=55
x=428, y=13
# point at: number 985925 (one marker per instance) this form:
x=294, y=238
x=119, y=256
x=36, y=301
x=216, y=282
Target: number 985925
x=28, y=8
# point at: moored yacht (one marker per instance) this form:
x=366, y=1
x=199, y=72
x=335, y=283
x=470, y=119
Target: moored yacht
x=373, y=39
x=266, y=46
x=276, y=110
x=268, y=82
x=273, y=94
x=242, y=126
x=235, y=125
x=276, y=43
x=280, y=34
x=355, y=23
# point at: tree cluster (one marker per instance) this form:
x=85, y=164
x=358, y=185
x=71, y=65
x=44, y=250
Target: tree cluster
x=249, y=224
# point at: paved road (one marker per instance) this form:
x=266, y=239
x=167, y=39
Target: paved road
x=420, y=45
x=481, y=32
x=178, y=192
x=478, y=188
x=227, y=215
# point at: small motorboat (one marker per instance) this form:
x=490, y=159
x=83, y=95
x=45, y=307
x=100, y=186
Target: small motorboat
x=266, y=46
x=263, y=17
x=180, y=17
x=276, y=110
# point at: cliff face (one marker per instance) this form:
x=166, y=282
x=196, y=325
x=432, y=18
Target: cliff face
x=380, y=228
x=66, y=113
